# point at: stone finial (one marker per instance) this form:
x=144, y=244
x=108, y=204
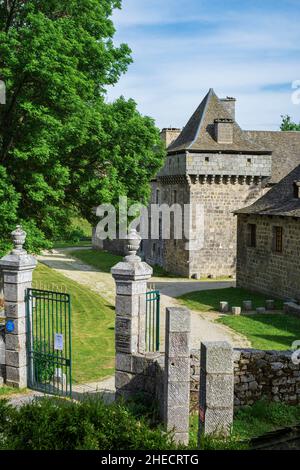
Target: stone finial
x=132, y=246
x=18, y=237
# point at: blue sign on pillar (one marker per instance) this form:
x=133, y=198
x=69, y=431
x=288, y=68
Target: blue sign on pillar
x=10, y=326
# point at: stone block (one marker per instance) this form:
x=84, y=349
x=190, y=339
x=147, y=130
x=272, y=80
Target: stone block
x=15, y=292
x=219, y=390
x=126, y=344
x=16, y=376
x=178, y=394
x=217, y=422
x=124, y=362
x=177, y=344
x=178, y=319
x=178, y=369
x=236, y=310
x=15, y=309
x=126, y=326
x=217, y=357
x=19, y=325
x=131, y=287
x=124, y=380
x=260, y=310
x=247, y=305
x=16, y=358
x=224, y=307
x=177, y=419
x=127, y=306
x=181, y=438
x=15, y=342
x=17, y=277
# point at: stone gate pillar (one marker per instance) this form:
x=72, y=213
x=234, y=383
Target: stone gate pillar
x=216, y=388
x=17, y=268
x=177, y=373
x=131, y=276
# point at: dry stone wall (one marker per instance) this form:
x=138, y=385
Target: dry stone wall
x=270, y=374
x=257, y=374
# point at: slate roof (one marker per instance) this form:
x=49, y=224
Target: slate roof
x=285, y=148
x=279, y=200
x=198, y=134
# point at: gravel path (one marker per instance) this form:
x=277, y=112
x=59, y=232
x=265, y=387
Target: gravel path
x=203, y=326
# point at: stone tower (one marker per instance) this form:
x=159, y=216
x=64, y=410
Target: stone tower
x=215, y=164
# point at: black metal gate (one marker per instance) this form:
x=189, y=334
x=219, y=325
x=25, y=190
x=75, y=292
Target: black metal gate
x=49, y=346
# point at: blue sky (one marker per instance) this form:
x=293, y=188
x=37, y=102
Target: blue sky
x=248, y=49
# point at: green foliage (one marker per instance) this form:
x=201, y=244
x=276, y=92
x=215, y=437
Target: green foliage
x=53, y=424
x=249, y=422
x=43, y=366
x=288, y=125
x=263, y=417
x=62, y=147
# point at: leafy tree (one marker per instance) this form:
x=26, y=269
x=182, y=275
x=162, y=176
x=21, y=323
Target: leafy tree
x=288, y=125
x=63, y=148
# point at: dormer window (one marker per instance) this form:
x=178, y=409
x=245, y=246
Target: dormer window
x=297, y=189
x=224, y=131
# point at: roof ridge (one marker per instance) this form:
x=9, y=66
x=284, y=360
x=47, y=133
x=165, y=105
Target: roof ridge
x=207, y=98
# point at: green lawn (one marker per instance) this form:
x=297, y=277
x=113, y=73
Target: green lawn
x=209, y=300
x=6, y=391
x=266, y=331
x=67, y=244
x=104, y=261
x=249, y=422
x=92, y=327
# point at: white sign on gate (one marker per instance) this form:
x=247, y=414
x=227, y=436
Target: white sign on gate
x=58, y=342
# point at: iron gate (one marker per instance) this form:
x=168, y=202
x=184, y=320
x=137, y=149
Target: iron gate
x=152, y=329
x=49, y=347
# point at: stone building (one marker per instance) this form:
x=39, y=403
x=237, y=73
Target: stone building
x=214, y=163
x=268, y=249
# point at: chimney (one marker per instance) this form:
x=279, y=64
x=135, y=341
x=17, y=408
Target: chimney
x=224, y=131
x=169, y=134
x=229, y=105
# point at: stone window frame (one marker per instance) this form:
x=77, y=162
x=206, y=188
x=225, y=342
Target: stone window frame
x=251, y=235
x=277, y=239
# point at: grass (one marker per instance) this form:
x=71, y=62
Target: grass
x=67, y=244
x=209, y=300
x=266, y=331
x=104, y=261
x=6, y=391
x=92, y=327
x=250, y=422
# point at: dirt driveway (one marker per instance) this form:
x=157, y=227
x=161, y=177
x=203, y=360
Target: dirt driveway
x=203, y=326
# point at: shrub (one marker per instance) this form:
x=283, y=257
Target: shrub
x=59, y=424
x=43, y=364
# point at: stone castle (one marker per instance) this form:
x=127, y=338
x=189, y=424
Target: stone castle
x=213, y=162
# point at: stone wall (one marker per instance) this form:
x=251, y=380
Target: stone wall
x=2, y=354
x=260, y=268
x=257, y=374
x=270, y=374
x=141, y=374
x=220, y=199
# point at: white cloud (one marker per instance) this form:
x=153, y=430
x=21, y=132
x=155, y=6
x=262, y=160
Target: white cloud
x=238, y=53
